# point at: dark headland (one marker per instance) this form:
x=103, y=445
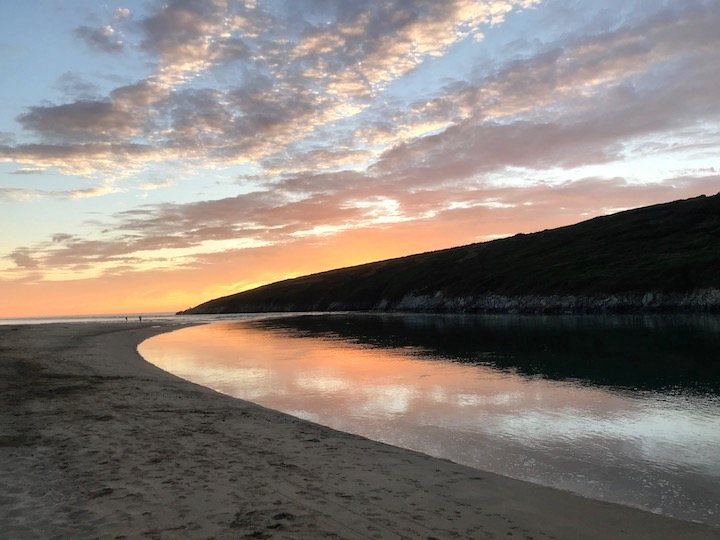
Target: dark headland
x=660, y=258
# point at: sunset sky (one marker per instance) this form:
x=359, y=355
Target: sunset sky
x=154, y=155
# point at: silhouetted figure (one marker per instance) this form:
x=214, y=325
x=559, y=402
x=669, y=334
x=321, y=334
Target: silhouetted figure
x=140, y=318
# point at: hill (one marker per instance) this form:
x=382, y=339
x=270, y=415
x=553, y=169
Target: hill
x=664, y=257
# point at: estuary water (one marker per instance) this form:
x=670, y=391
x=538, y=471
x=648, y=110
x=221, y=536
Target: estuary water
x=624, y=409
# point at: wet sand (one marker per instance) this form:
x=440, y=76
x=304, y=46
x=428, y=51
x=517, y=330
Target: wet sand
x=96, y=442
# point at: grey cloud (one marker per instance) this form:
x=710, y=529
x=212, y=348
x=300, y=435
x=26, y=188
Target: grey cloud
x=464, y=150
x=102, y=39
x=197, y=115
x=188, y=35
x=139, y=97
x=231, y=50
x=70, y=152
x=180, y=21
x=317, y=159
x=22, y=259
x=29, y=170
x=318, y=183
x=74, y=86
x=61, y=237
x=80, y=120
x=82, y=158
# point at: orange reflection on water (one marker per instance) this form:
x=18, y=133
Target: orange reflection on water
x=656, y=451
x=317, y=382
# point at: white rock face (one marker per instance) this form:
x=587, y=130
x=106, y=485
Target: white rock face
x=652, y=301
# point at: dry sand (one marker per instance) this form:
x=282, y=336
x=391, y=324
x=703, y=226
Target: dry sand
x=96, y=442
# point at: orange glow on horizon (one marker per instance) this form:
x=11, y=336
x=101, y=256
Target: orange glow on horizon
x=221, y=274
x=213, y=275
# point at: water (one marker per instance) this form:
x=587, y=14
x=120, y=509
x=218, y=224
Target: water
x=110, y=318
x=114, y=318
x=625, y=409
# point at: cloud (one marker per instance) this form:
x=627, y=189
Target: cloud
x=321, y=73
x=122, y=13
x=24, y=194
x=262, y=119
x=85, y=159
x=22, y=259
x=104, y=39
x=382, y=42
x=61, y=237
x=190, y=36
x=157, y=184
x=141, y=98
x=587, y=99
x=85, y=193
x=17, y=194
x=75, y=86
x=81, y=121
x=198, y=117
x=29, y=170
x=278, y=101
x=317, y=160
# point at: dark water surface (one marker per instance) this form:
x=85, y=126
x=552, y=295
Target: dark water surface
x=625, y=409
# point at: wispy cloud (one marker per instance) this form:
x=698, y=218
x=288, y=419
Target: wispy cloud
x=17, y=194
x=264, y=218
x=29, y=170
x=157, y=184
x=25, y=194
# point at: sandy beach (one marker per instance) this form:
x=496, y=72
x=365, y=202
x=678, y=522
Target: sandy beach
x=98, y=443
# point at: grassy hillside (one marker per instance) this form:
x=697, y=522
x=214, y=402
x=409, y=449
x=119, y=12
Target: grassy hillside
x=666, y=248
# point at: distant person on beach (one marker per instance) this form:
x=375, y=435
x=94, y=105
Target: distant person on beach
x=140, y=318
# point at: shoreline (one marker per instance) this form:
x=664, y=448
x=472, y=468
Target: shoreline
x=98, y=442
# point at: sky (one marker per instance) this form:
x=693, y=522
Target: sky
x=154, y=155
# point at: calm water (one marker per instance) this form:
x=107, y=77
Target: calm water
x=625, y=409
x=147, y=318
